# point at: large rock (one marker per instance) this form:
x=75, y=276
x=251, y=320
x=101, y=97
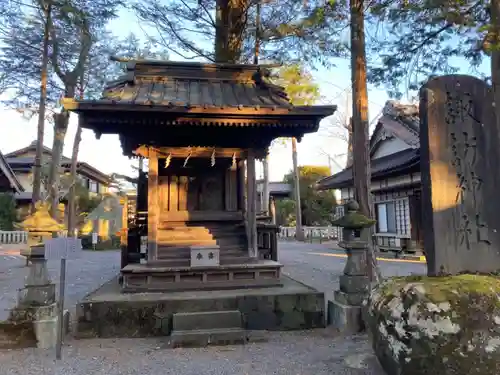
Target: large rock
x=440, y=325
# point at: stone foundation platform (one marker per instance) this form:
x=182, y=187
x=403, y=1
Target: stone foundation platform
x=107, y=312
x=158, y=277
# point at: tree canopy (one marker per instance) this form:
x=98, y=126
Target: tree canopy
x=290, y=30
x=415, y=40
x=318, y=207
x=299, y=84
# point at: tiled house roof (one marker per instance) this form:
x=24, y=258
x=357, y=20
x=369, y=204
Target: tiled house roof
x=397, y=120
x=10, y=175
x=25, y=163
x=397, y=163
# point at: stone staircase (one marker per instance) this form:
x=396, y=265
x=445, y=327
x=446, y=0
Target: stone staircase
x=175, y=241
x=196, y=329
x=172, y=270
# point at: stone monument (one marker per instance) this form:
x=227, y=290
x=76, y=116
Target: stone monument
x=460, y=159
x=37, y=300
x=344, y=312
x=449, y=322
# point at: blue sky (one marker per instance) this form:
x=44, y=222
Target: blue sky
x=106, y=155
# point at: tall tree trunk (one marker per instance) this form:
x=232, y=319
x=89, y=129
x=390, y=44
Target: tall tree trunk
x=350, y=141
x=37, y=173
x=230, y=23
x=72, y=191
x=299, y=233
x=61, y=121
x=360, y=124
x=495, y=57
x=60, y=129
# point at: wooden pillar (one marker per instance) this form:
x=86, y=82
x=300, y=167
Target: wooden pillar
x=251, y=205
x=272, y=209
x=241, y=186
x=153, y=206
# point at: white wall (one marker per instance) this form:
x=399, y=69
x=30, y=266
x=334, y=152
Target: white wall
x=389, y=146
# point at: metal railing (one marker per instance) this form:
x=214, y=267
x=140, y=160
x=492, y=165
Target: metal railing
x=14, y=237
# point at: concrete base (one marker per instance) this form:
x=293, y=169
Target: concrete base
x=347, y=319
x=153, y=277
x=40, y=333
x=108, y=312
x=46, y=330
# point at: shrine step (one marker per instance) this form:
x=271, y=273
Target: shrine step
x=184, y=262
x=228, y=241
x=188, y=321
x=206, y=337
x=184, y=252
x=198, y=329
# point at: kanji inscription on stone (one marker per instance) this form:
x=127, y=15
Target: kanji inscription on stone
x=460, y=157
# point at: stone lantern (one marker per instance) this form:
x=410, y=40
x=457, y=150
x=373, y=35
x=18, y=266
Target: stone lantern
x=40, y=226
x=37, y=307
x=345, y=311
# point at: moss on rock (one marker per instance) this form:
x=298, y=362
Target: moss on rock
x=437, y=325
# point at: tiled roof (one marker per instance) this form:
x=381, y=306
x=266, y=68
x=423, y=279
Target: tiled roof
x=380, y=168
x=26, y=164
x=195, y=84
x=188, y=86
x=9, y=173
x=31, y=147
x=401, y=121
x=276, y=188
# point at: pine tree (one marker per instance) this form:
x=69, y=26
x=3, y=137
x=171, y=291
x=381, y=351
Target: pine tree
x=291, y=30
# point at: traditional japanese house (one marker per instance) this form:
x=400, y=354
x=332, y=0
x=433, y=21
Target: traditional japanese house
x=395, y=173
x=201, y=128
x=9, y=182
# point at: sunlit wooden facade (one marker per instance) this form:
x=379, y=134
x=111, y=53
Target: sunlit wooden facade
x=201, y=128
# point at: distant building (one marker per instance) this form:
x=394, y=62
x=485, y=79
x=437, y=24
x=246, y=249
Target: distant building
x=16, y=174
x=396, y=186
x=277, y=190
x=9, y=182
x=21, y=162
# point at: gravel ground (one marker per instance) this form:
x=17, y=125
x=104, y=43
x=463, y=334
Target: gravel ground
x=85, y=274
x=296, y=353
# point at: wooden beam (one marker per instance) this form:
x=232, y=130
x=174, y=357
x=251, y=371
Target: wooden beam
x=251, y=205
x=196, y=152
x=153, y=206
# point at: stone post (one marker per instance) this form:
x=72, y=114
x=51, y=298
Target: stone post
x=37, y=300
x=345, y=311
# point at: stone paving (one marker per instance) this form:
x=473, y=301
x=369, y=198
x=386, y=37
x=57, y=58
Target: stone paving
x=315, y=352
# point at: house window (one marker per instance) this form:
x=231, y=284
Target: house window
x=339, y=211
x=386, y=217
x=93, y=186
x=393, y=216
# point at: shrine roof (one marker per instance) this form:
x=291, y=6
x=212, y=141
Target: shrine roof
x=196, y=88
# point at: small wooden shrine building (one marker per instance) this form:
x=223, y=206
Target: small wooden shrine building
x=197, y=124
